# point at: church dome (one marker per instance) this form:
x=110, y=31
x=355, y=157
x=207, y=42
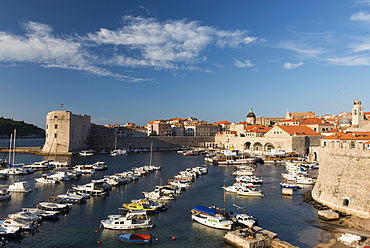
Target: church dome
x=251, y=114
x=345, y=121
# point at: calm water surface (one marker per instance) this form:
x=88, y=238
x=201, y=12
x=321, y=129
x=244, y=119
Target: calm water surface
x=288, y=216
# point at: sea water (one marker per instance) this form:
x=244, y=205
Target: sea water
x=293, y=220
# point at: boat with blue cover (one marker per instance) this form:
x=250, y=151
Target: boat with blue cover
x=135, y=238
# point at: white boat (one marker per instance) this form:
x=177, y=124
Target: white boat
x=180, y=184
x=46, y=180
x=249, y=179
x=245, y=219
x=60, y=176
x=84, y=169
x=72, y=198
x=9, y=231
x=247, y=191
x=349, y=239
x=21, y=187
x=41, y=165
x=305, y=180
x=45, y=214
x=48, y=206
x=134, y=219
x=92, y=189
x=86, y=153
x=158, y=195
x=118, y=152
x=18, y=223
x=27, y=216
x=210, y=217
x=5, y=194
x=212, y=221
x=236, y=187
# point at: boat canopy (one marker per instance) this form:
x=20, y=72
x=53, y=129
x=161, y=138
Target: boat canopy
x=205, y=210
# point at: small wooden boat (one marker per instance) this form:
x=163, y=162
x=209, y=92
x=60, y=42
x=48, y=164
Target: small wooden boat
x=135, y=238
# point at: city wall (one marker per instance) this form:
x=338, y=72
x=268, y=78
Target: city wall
x=343, y=183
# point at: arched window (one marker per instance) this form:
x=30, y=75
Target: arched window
x=345, y=202
x=355, y=112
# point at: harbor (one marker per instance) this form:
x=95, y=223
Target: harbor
x=292, y=220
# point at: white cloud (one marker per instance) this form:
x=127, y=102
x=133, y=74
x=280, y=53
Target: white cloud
x=139, y=43
x=243, y=64
x=300, y=48
x=350, y=61
x=292, y=65
x=172, y=41
x=360, y=16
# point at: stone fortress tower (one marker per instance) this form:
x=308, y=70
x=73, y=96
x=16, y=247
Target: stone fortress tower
x=66, y=133
x=343, y=182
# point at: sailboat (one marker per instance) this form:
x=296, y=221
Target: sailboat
x=12, y=168
x=118, y=152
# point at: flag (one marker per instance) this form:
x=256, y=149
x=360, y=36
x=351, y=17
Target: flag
x=61, y=105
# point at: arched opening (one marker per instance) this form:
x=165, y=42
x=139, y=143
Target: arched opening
x=269, y=147
x=247, y=145
x=257, y=146
x=345, y=202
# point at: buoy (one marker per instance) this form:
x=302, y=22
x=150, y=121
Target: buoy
x=99, y=242
x=173, y=238
x=97, y=230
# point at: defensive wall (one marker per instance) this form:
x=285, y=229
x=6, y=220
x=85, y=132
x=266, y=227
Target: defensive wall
x=343, y=183
x=103, y=138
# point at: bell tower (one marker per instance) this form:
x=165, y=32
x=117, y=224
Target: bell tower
x=357, y=114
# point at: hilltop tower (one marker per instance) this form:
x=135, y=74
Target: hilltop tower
x=66, y=133
x=251, y=117
x=357, y=114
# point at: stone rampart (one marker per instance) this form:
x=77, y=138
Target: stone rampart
x=159, y=142
x=343, y=183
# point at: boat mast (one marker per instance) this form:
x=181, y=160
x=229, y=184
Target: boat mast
x=10, y=148
x=15, y=132
x=151, y=153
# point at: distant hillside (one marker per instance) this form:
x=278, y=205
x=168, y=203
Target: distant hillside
x=7, y=127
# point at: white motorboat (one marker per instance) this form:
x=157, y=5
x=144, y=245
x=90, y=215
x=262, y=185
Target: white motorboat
x=45, y=214
x=9, y=231
x=46, y=180
x=210, y=217
x=180, y=184
x=86, y=153
x=305, y=180
x=49, y=206
x=40, y=165
x=250, y=192
x=245, y=219
x=236, y=187
x=118, y=152
x=5, y=194
x=212, y=221
x=72, y=198
x=84, y=169
x=21, y=187
x=27, y=216
x=91, y=189
x=18, y=223
x=158, y=195
x=249, y=179
x=134, y=219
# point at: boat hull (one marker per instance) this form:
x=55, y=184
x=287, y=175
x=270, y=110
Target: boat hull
x=135, y=238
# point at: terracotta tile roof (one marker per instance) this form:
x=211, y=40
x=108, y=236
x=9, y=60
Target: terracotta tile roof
x=243, y=123
x=310, y=121
x=257, y=129
x=299, y=130
x=222, y=122
x=349, y=136
x=291, y=120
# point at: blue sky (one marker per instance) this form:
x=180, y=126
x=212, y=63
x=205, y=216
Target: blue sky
x=137, y=61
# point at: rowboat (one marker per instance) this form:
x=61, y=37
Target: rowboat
x=135, y=238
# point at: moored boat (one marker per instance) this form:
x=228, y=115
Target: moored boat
x=134, y=219
x=135, y=238
x=21, y=187
x=210, y=217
